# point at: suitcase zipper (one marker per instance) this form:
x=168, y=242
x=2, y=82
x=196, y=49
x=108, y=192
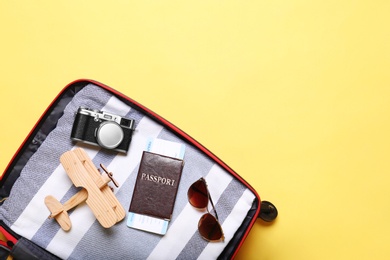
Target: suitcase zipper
x=9, y=240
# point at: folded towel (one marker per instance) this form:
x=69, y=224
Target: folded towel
x=25, y=212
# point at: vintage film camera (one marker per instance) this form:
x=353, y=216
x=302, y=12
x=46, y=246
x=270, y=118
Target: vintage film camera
x=103, y=129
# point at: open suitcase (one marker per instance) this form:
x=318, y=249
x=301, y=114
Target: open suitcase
x=35, y=172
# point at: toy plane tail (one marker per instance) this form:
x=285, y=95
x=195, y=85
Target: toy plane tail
x=58, y=212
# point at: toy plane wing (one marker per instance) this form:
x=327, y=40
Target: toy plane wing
x=101, y=182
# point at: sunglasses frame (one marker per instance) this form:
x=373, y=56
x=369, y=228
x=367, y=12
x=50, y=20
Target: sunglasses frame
x=208, y=212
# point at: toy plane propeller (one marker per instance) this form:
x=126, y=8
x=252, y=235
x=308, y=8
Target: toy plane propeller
x=95, y=191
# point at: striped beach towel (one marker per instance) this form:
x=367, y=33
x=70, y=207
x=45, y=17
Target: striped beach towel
x=26, y=214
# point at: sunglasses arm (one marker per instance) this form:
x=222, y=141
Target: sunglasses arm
x=212, y=204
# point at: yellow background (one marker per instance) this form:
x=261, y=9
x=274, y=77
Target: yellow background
x=293, y=95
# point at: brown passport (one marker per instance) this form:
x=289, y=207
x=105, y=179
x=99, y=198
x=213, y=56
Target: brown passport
x=156, y=185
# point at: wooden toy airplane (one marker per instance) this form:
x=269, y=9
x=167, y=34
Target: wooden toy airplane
x=95, y=191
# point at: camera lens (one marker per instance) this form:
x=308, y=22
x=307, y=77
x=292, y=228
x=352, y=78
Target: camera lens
x=109, y=135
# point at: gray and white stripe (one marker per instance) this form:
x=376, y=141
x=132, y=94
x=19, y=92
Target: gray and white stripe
x=26, y=213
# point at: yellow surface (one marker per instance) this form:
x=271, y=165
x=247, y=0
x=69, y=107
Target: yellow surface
x=293, y=95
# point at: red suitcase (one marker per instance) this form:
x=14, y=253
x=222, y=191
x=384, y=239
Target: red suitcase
x=35, y=172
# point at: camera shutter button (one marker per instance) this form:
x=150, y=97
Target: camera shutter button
x=109, y=135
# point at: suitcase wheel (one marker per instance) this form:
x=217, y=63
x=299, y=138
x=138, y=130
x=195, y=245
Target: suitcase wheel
x=268, y=211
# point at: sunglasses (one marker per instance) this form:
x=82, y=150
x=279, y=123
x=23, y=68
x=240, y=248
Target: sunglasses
x=208, y=226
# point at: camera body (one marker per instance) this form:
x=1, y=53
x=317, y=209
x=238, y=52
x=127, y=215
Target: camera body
x=103, y=129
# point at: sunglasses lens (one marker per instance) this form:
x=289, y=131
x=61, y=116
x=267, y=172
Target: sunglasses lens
x=197, y=194
x=209, y=228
